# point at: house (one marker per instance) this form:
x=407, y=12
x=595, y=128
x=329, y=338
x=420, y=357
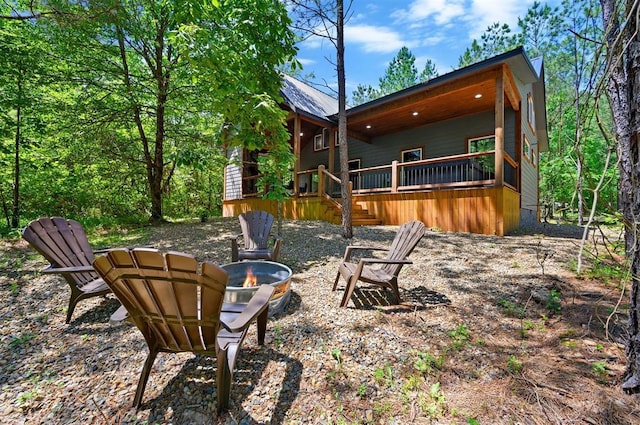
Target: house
x=459, y=152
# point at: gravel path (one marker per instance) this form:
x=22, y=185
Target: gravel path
x=323, y=364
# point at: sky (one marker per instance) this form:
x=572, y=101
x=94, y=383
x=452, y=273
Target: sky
x=440, y=30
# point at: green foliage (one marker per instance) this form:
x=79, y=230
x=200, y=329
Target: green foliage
x=599, y=369
x=426, y=362
x=433, y=405
x=400, y=74
x=514, y=365
x=509, y=308
x=460, y=336
x=21, y=340
x=554, y=302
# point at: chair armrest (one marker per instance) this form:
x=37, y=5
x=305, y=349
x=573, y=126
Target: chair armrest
x=277, y=243
x=256, y=305
x=75, y=269
x=352, y=248
x=384, y=261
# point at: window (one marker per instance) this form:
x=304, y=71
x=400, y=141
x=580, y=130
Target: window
x=526, y=148
x=410, y=155
x=317, y=142
x=482, y=144
x=531, y=113
x=534, y=158
x=336, y=141
x=321, y=141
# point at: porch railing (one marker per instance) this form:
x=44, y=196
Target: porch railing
x=475, y=169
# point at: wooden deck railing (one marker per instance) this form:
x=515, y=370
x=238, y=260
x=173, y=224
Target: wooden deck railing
x=469, y=170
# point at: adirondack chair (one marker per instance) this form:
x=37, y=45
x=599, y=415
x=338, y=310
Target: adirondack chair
x=388, y=269
x=178, y=307
x=253, y=242
x=64, y=244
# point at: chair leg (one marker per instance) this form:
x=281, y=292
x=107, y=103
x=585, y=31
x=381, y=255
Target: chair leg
x=348, y=291
x=223, y=377
x=261, y=323
x=335, y=282
x=396, y=292
x=73, y=300
x=144, y=376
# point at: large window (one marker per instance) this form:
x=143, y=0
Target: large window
x=482, y=144
x=410, y=155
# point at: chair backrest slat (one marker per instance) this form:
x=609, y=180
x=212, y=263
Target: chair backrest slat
x=406, y=239
x=175, y=305
x=63, y=243
x=256, y=227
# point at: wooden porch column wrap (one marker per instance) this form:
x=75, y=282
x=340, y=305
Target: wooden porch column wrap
x=499, y=130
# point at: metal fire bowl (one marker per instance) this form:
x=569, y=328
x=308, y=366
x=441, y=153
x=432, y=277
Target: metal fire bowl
x=266, y=272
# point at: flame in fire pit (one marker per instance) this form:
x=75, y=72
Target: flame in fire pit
x=251, y=279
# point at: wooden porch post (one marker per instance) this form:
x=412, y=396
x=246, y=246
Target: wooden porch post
x=499, y=130
x=499, y=155
x=394, y=176
x=320, y=179
x=297, y=128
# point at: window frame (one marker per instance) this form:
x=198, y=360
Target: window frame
x=531, y=113
x=405, y=151
x=526, y=148
x=475, y=139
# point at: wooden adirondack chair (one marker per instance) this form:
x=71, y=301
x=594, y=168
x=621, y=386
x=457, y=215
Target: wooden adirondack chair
x=178, y=307
x=386, y=275
x=255, y=237
x=64, y=244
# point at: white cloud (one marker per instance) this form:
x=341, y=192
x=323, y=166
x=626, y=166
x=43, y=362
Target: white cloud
x=374, y=39
x=442, y=11
x=306, y=61
x=484, y=13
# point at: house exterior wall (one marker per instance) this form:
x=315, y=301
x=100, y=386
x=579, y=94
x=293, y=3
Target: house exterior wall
x=436, y=140
x=529, y=172
x=233, y=175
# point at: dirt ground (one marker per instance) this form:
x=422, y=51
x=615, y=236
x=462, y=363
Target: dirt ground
x=491, y=330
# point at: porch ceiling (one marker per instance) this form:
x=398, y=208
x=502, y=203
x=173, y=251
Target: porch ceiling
x=434, y=103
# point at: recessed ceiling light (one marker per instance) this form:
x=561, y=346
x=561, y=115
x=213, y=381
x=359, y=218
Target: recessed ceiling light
x=301, y=134
x=415, y=114
x=478, y=96
x=368, y=125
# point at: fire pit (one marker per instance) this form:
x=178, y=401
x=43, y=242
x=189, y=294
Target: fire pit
x=246, y=276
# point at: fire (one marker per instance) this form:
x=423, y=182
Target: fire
x=250, y=280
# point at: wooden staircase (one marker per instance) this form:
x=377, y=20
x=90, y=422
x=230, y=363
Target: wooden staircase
x=359, y=215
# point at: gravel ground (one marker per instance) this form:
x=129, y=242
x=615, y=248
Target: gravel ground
x=472, y=341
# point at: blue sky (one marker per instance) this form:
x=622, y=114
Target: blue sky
x=439, y=30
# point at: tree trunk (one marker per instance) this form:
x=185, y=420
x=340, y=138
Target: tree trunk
x=623, y=86
x=15, y=214
x=347, y=224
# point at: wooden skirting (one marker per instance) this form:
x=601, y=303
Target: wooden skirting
x=490, y=210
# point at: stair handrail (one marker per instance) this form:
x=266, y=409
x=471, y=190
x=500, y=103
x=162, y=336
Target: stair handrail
x=323, y=172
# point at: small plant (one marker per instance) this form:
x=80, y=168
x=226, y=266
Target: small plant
x=14, y=289
x=19, y=341
x=362, y=391
x=509, y=308
x=473, y=421
x=277, y=334
x=460, y=336
x=553, y=301
x=514, y=365
x=335, y=353
x=434, y=404
x=384, y=376
x=599, y=369
x=526, y=326
x=426, y=362
x=542, y=255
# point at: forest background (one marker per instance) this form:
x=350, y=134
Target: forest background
x=108, y=115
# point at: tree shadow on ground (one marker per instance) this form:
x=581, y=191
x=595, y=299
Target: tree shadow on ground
x=196, y=382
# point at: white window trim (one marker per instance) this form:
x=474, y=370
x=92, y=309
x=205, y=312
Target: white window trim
x=419, y=149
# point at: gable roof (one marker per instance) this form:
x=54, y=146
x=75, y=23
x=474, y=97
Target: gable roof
x=307, y=100
x=302, y=98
